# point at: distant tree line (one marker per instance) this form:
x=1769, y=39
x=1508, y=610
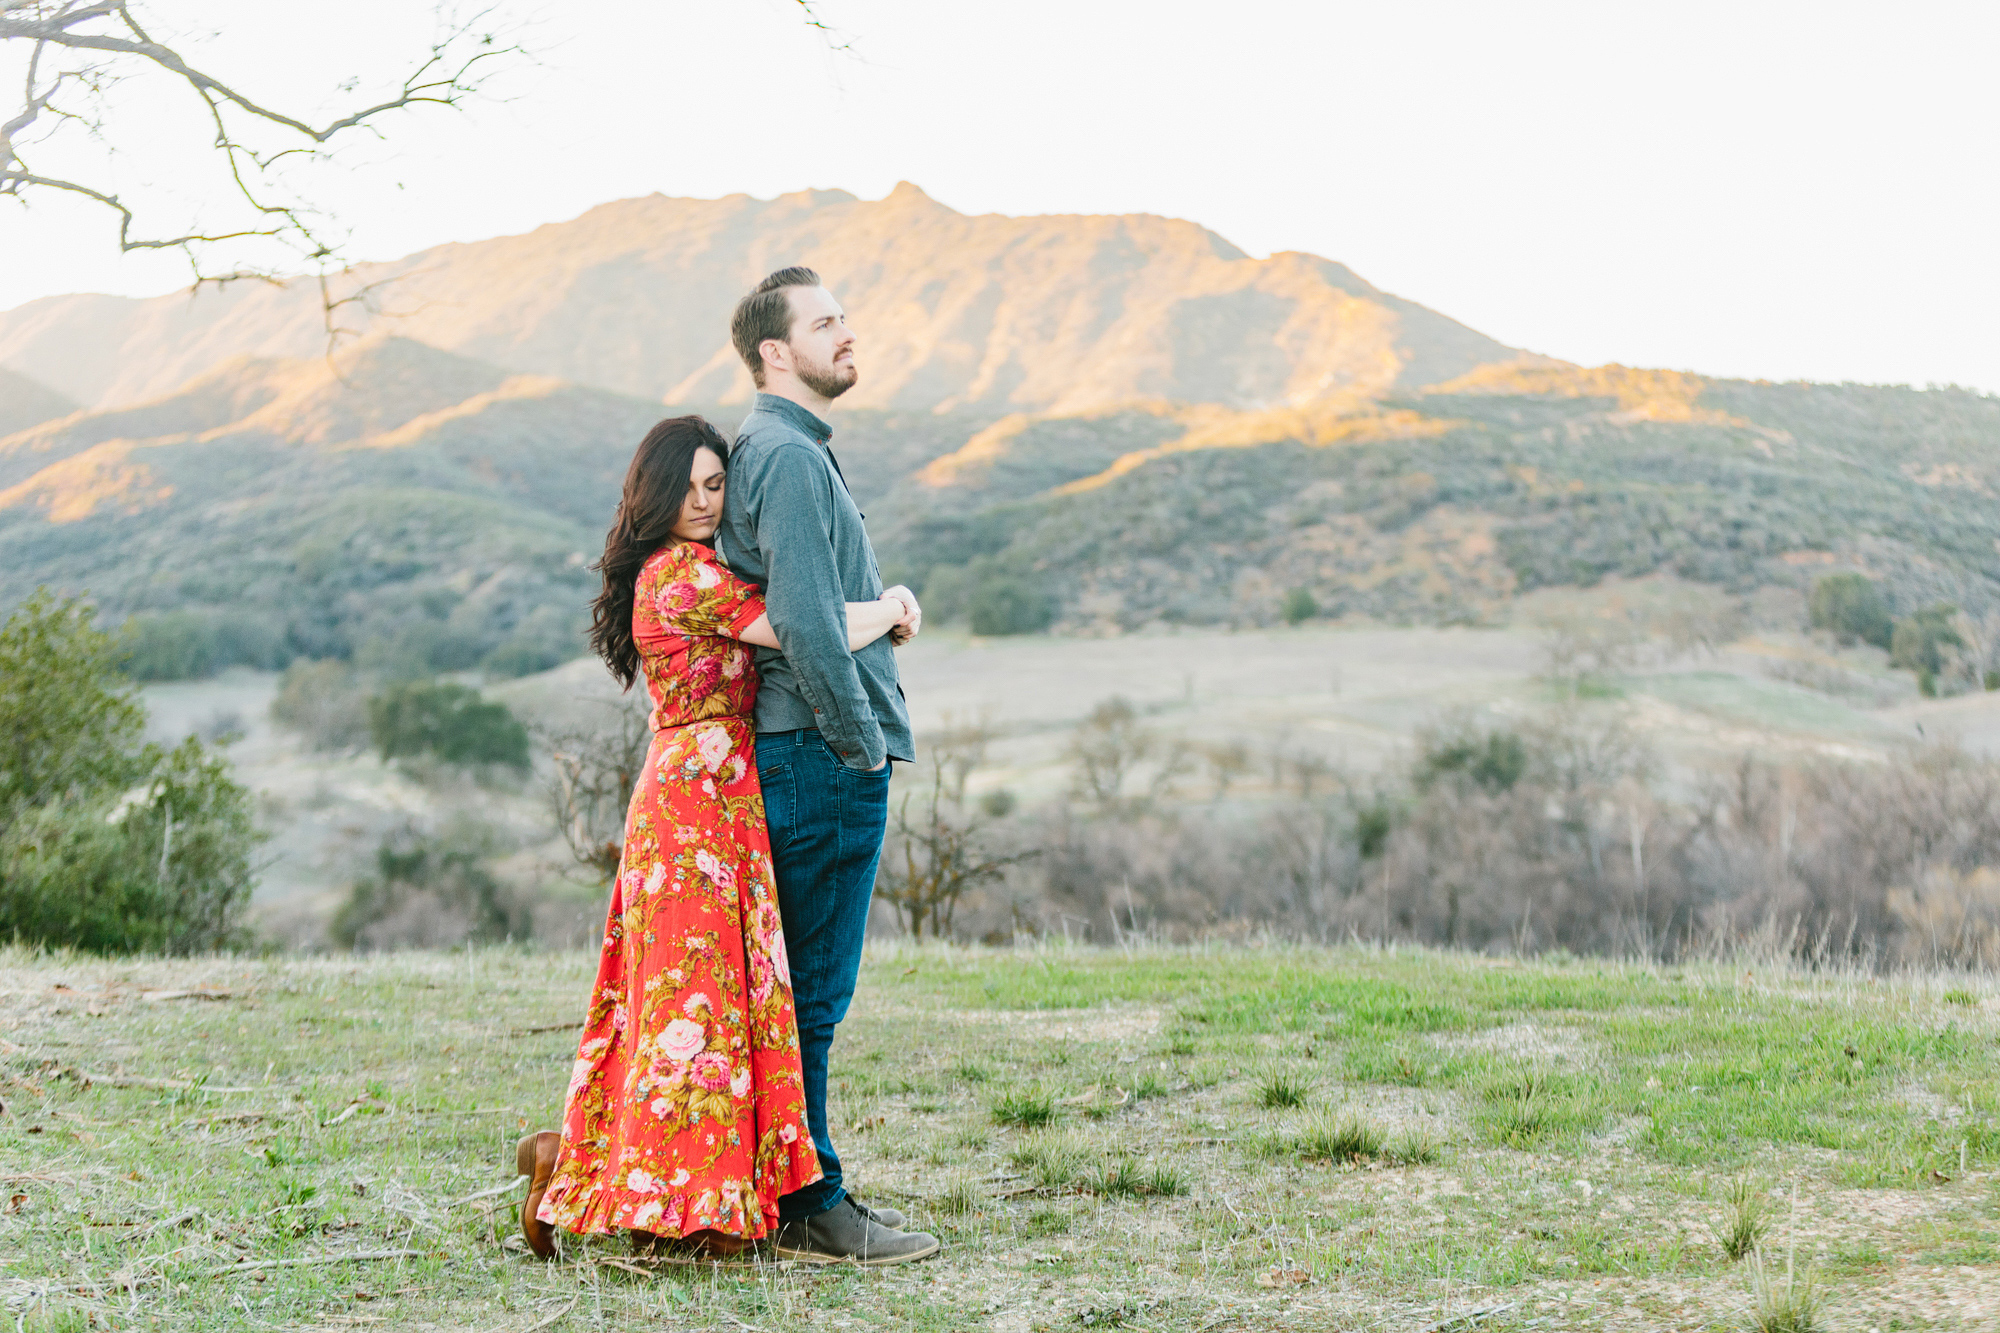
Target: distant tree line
x=1941, y=646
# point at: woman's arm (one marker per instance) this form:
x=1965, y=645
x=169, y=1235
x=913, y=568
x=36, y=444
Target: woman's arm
x=866, y=622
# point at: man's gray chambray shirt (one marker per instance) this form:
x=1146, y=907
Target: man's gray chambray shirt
x=789, y=526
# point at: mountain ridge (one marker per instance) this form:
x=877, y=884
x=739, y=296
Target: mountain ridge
x=1056, y=313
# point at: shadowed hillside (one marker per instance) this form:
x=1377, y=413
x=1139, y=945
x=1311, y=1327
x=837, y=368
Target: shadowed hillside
x=25, y=403
x=988, y=313
x=399, y=502
x=1440, y=506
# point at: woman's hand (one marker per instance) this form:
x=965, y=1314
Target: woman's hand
x=911, y=618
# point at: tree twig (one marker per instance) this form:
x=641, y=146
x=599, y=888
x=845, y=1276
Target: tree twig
x=358, y=1257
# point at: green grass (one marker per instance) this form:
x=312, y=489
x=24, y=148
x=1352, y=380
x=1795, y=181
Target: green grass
x=1745, y=1220
x=1282, y=1089
x=1558, y=1136
x=1027, y=1108
x=1324, y=1136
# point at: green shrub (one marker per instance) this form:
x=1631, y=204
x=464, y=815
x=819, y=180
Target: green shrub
x=64, y=732
x=1923, y=640
x=107, y=843
x=189, y=645
x=176, y=646
x=449, y=721
x=1002, y=604
x=1494, y=761
x=429, y=892
x=1852, y=607
x=516, y=658
x=1299, y=606
x=166, y=869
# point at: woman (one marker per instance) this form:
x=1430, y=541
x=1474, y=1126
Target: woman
x=685, y=1115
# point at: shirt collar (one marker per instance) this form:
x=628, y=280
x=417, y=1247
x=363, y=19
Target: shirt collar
x=796, y=415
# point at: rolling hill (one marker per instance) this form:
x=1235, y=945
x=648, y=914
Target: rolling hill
x=1088, y=423
x=423, y=509
x=1440, y=506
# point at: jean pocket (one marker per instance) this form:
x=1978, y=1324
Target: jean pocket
x=780, y=803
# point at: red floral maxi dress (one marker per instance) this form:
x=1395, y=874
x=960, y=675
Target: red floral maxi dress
x=686, y=1111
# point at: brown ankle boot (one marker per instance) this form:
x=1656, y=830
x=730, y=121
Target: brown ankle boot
x=696, y=1245
x=535, y=1158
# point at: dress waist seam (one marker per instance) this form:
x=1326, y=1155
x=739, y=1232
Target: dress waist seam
x=700, y=721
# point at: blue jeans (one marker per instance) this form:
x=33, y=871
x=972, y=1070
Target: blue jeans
x=826, y=822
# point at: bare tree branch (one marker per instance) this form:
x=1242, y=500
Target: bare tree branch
x=76, y=50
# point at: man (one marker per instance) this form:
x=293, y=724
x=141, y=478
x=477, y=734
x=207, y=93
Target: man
x=828, y=721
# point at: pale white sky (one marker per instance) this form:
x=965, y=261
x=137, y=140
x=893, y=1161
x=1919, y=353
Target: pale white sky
x=1752, y=188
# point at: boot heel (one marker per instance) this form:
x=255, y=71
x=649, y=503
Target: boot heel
x=535, y=1158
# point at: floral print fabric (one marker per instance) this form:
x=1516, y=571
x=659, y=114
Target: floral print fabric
x=686, y=1111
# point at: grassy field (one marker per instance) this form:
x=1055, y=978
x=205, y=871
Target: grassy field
x=1200, y=1141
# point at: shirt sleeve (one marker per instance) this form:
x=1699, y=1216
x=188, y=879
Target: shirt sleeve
x=697, y=596
x=808, y=603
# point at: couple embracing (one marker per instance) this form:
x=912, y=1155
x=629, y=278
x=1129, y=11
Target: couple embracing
x=739, y=584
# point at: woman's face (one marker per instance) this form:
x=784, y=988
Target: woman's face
x=702, y=509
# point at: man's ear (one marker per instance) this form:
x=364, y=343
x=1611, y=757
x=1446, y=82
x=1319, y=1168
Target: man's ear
x=776, y=352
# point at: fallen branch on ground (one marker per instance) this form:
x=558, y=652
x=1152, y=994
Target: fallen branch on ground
x=358, y=1257
x=153, y=1084
x=507, y=1188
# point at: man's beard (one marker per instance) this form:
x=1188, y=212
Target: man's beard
x=828, y=382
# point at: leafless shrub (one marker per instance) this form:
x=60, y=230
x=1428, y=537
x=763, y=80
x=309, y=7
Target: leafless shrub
x=960, y=748
x=1522, y=836
x=1113, y=747
x=1822, y=847
x=327, y=701
x=1579, y=652
x=592, y=770
x=929, y=864
x=1698, y=620
x=1948, y=919
x=1226, y=762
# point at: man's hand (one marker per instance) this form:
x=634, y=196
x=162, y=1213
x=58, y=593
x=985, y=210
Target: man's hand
x=912, y=619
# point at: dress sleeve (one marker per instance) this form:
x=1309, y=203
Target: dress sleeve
x=697, y=596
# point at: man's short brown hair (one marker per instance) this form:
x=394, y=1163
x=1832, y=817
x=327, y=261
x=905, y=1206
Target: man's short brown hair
x=766, y=313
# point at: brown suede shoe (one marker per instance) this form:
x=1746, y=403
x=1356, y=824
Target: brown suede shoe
x=535, y=1158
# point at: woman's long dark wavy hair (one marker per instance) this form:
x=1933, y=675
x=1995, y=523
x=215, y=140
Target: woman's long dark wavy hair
x=656, y=486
